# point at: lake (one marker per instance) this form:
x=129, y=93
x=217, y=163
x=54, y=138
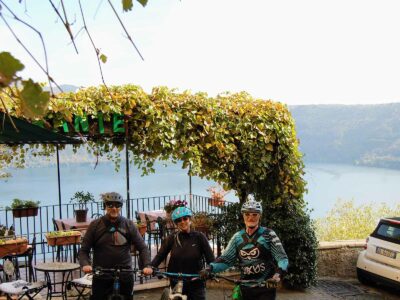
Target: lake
x=326, y=184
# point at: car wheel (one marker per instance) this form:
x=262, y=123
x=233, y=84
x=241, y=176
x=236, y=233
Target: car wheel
x=361, y=278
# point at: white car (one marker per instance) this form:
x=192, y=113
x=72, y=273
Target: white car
x=380, y=261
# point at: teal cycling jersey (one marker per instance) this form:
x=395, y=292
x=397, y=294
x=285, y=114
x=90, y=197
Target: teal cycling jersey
x=259, y=256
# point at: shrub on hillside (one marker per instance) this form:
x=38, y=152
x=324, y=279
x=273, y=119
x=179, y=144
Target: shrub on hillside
x=346, y=221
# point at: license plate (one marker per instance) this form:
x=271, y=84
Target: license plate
x=386, y=252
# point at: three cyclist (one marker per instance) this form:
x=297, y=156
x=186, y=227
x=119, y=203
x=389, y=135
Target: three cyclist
x=259, y=252
x=188, y=250
x=110, y=237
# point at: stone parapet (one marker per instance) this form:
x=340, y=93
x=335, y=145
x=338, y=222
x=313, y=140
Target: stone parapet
x=339, y=258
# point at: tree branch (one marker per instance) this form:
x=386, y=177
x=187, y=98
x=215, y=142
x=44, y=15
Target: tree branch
x=65, y=23
x=45, y=70
x=95, y=49
x=123, y=26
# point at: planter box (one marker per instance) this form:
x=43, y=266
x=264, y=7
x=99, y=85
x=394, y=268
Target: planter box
x=25, y=212
x=16, y=246
x=74, y=238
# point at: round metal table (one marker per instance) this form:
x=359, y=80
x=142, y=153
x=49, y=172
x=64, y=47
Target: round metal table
x=65, y=268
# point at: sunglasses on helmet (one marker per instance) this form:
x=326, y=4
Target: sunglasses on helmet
x=113, y=204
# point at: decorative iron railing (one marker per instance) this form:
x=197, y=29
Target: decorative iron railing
x=34, y=228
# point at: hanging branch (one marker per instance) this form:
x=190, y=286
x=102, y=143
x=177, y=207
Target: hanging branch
x=46, y=69
x=8, y=115
x=95, y=49
x=126, y=32
x=65, y=23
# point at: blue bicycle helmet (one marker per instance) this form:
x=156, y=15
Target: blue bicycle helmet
x=180, y=212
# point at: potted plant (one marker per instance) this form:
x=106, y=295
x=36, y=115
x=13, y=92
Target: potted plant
x=202, y=222
x=24, y=208
x=217, y=196
x=58, y=238
x=170, y=206
x=9, y=244
x=82, y=199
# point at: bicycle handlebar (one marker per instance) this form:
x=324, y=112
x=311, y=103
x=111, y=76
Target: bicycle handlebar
x=116, y=270
x=269, y=283
x=176, y=275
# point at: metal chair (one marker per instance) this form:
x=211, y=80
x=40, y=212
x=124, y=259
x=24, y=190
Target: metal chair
x=26, y=262
x=22, y=288
x=153, y=232
x=96, y=215
x=82, y=286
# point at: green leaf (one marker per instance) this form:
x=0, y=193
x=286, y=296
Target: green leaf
x=143, y=2
x=103, y=58
x=127, y=5
x=9, y=66
x=33, y=100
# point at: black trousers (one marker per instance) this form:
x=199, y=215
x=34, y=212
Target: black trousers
x=102, y=286
x=257, y=293
x=195, y=290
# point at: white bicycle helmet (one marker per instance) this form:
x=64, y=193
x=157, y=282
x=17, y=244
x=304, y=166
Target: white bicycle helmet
x=112, y=197
x=251, y=206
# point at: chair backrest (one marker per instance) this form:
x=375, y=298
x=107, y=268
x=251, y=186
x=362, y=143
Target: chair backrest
x=137, y=216
x=96, y=216
x=148, y=223
x=58, y=225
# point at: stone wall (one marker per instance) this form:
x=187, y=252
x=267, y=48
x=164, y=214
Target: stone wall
x=339, y=259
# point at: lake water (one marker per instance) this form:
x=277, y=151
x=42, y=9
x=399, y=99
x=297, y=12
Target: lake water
x=326, y=184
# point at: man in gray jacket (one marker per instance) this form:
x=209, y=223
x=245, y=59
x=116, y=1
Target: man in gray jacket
x=111, y=237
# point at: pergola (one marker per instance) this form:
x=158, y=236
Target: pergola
x=14, y=131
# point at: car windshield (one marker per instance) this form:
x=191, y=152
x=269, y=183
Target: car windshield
x=389, y=231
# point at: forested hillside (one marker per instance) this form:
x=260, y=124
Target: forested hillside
x=366, y=135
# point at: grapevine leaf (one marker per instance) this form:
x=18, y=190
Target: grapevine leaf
x=127, y=5
x=33, y=100
x=103, y=58
x=143, y=2
x=9, y=66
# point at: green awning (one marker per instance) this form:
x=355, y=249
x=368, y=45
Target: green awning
x=29, y=133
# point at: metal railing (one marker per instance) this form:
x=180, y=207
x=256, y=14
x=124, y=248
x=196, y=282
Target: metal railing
x=35, y=227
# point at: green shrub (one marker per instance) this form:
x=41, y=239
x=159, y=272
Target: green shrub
x=346, y=221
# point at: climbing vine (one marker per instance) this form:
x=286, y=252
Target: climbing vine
x=246, y=144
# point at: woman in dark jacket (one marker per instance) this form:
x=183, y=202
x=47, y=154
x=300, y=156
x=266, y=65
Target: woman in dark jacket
x=189, y=250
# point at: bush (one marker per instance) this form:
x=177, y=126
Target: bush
x=345, y=221
x=296, y=231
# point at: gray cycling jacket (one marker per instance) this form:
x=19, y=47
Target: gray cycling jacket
x=111, y=243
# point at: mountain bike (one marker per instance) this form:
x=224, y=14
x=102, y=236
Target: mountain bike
x=236, y=292
x=115, y=273
x=175, y=293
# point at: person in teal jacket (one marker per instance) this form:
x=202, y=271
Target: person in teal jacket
x=259, y=252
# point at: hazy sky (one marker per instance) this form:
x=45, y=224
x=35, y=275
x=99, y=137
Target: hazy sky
x=295, y=52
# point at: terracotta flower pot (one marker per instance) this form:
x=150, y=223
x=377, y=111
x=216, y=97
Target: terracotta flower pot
x=25, y=212
x=80, y=215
